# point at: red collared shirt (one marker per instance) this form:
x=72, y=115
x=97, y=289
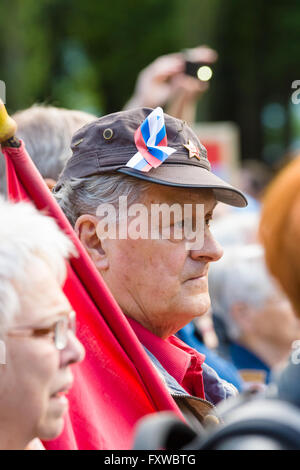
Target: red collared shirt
x=180, y=361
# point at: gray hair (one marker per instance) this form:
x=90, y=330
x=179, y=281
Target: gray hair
x=27, y=236
x=79, y=196
x=240, y=276
x=47, y=133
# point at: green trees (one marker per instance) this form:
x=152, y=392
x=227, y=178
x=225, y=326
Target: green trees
x=86, y=54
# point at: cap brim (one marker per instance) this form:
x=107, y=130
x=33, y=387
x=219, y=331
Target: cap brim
x=188, y=176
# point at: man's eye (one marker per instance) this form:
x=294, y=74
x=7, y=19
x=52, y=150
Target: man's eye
x=179, y=224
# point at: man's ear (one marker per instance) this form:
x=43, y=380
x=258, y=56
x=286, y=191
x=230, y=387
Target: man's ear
x=86, y=229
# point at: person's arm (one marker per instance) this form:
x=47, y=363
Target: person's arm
x=164, y=83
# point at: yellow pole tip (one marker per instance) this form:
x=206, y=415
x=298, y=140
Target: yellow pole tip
x=8, y=126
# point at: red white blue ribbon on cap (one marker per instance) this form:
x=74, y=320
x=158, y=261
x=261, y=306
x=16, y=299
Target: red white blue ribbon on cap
x=151, y=141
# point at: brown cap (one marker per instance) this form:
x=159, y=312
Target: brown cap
x=107, y=144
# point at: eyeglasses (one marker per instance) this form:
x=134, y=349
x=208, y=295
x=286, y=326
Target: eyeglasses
x=58, y=331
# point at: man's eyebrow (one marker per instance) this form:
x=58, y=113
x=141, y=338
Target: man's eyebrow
x=209, y=210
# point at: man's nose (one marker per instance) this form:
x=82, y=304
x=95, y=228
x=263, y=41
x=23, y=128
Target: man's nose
x=209, y=251
x=73, y=352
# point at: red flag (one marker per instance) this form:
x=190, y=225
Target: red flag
x=116, y=384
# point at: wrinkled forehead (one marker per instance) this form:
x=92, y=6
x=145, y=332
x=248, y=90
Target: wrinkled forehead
x=159, y=194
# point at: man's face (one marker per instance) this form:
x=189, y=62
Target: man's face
x=160, y=282
x=276, y=322
x=36, y=376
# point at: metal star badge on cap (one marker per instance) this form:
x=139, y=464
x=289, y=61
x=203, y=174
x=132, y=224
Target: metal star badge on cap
x=193, y=150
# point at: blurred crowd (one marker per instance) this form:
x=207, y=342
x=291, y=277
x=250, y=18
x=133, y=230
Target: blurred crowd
x=246, y=335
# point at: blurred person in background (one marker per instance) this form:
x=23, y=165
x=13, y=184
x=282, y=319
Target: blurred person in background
x=236, y=228
x=255, y=177
x=279, y=232
x=165, y=83
x=258, y=319
x=47, y=132
x=201, y=335
x=36, y=327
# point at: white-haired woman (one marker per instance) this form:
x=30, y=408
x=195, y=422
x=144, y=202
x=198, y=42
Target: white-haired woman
x=38, y=343
x=257, y=318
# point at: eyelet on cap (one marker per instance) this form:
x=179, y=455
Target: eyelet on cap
x=78, y=142
x=108, y=133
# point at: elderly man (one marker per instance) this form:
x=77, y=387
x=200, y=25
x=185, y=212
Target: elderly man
x=37, y=323
x=156, y=267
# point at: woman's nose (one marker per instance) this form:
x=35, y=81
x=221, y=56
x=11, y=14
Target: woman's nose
x=73, y=352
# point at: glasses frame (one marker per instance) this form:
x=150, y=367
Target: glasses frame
x=58, y=331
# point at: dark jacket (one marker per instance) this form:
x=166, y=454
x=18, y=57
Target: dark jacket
x=196, y=410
